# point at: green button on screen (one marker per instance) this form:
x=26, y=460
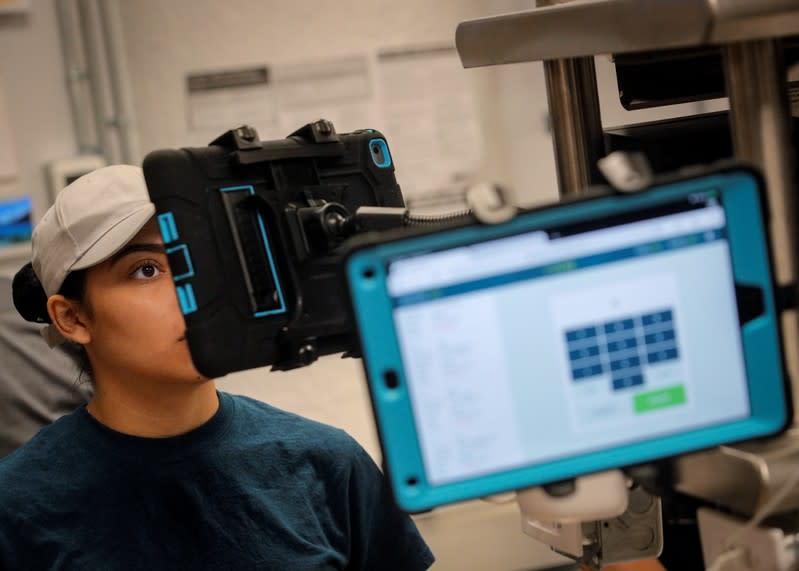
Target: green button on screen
x=663, y=398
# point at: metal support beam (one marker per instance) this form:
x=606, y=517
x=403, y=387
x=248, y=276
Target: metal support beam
x=761, y=122
x=743, y=476
x=576, y=122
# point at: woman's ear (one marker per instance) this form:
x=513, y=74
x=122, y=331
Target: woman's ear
x=68, y=318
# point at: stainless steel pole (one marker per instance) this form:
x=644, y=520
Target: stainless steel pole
x=576, y=122
x=575, y=118
x=761, y=131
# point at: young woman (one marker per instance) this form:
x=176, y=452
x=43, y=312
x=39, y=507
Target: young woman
x=159, y=470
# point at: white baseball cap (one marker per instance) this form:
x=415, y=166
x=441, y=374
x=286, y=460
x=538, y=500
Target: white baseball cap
x=90, y=221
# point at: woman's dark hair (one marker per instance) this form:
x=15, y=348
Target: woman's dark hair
x=30, y=300
x=29, y=297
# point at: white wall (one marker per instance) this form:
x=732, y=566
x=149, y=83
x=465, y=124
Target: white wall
x=39, y=121
x=33, y=83
x=166, y=40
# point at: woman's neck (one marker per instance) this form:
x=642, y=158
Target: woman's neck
x=154, y=410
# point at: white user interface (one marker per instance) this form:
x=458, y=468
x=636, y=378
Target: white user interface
x=559, y=342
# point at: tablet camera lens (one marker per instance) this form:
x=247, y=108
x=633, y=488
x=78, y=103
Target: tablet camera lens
x=391, y=378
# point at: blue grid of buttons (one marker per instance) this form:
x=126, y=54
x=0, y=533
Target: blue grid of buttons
x=622, y=347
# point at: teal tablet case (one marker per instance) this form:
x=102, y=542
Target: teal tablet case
x=742, y=199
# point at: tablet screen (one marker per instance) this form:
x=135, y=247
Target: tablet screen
x=571, y=339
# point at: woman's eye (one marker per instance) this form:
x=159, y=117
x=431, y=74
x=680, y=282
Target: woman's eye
x=146, y=271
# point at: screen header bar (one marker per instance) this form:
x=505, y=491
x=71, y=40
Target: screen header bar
x=504, y=255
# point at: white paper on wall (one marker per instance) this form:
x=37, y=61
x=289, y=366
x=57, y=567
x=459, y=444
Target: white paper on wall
x=14, y=6
x=419, y=97
x=339, y=90
x=225, y=99
x=430, y=118
x=8, y=159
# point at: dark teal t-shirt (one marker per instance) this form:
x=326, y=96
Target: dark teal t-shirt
x=253, y=488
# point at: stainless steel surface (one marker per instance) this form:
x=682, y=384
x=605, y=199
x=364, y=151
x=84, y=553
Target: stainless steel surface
x=541, y=3
x=736, y=20
x=583, y=28
x=741, y=478
x=760, y=119
x=741, y=9
x=634, y=535
x=576, y=121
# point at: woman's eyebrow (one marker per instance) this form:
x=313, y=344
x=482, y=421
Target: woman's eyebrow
x=155, y=248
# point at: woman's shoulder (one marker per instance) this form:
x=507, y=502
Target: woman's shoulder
x=41, y=461
x=54, y=436
x=267, y=423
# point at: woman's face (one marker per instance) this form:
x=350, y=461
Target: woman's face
x=133, y=317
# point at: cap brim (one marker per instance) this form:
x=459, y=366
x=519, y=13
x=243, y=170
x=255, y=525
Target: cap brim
x=115, y=239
